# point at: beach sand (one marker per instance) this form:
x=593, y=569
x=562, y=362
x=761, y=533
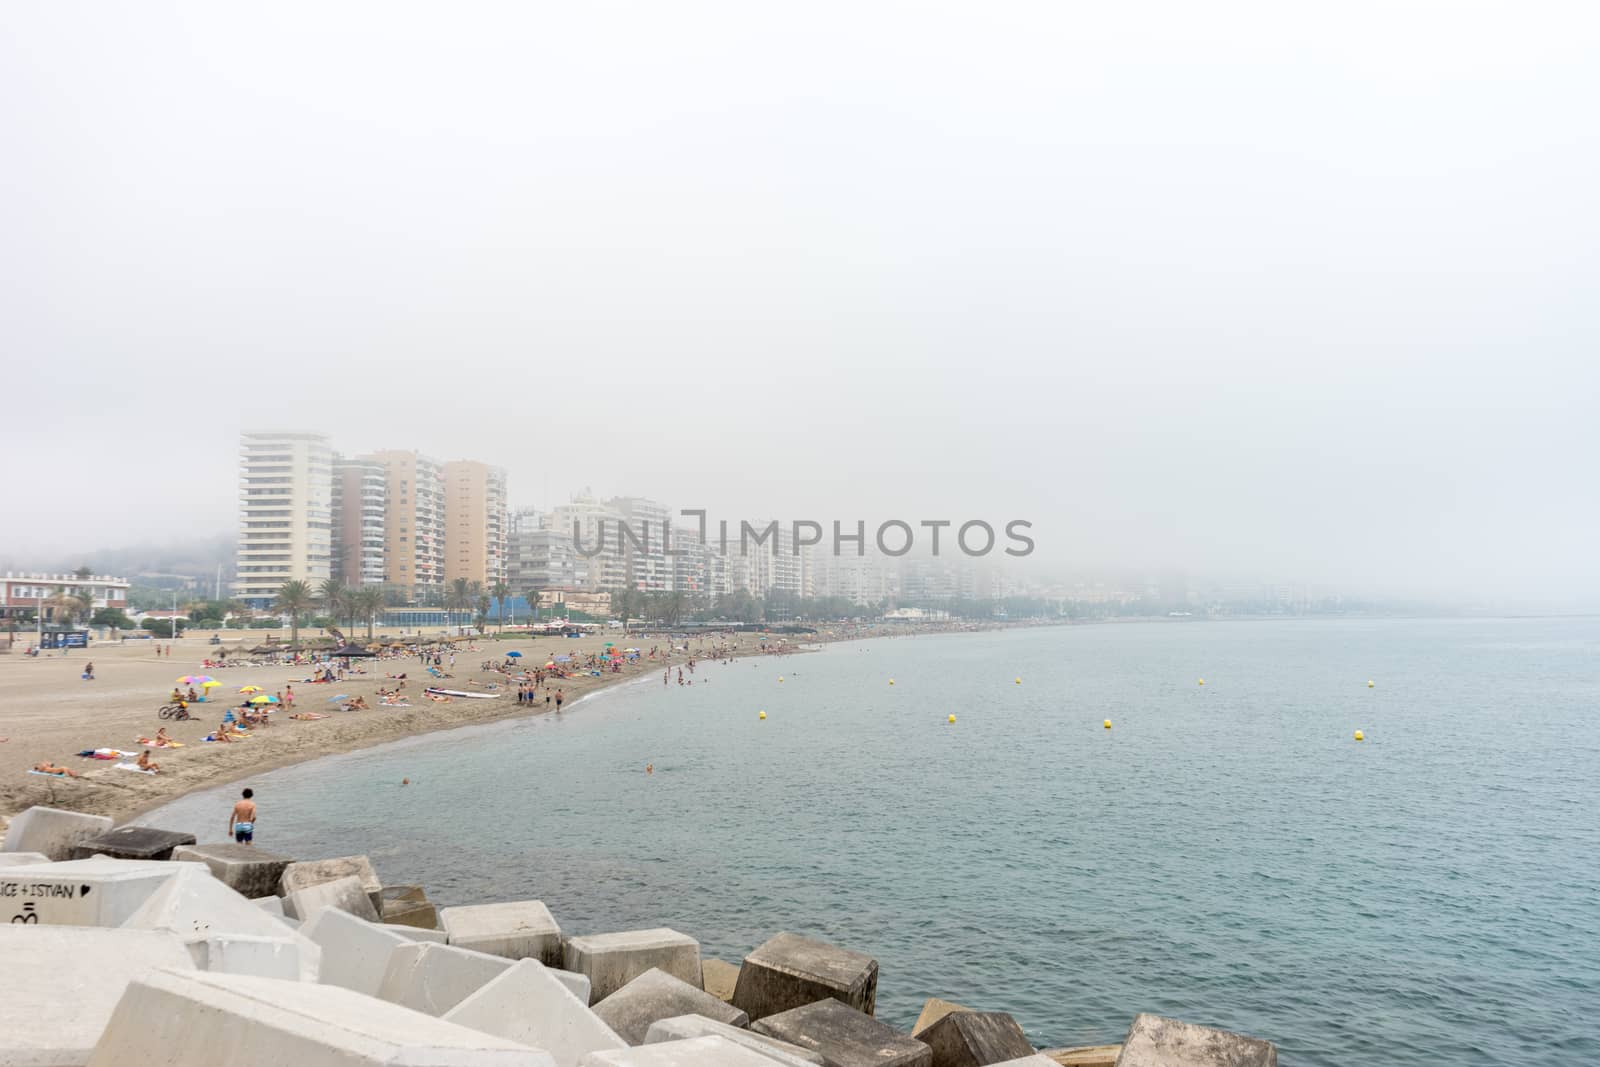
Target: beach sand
x=47, y=712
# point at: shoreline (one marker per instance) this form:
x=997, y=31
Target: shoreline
x=110, y=717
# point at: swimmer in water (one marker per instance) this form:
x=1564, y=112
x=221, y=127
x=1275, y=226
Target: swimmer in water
x=649, y=768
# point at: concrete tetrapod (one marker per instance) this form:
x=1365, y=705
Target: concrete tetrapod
x=303, y=874
x=790, y=971
x=132, y=843
x=170, y=1019
x=59, y=985
x=529, y=1004
x=656, y=995
x=845, y=1037
x=52, y=831
x=613, y=960
x=1156, y=1041
x=344, y=893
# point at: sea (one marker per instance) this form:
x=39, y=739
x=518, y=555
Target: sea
x=1226, y=852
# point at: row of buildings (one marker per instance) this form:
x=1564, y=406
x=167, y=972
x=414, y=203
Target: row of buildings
x=393, y=518
x=414, y=525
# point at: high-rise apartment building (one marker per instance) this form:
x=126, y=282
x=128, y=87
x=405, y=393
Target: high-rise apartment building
x=413, y=531
x=360, y=512
x=541, y=559
x=475, y=522
x=285, y=513
x=592, y=528
x=645, y=563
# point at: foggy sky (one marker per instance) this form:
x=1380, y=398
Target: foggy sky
x=1301, y=291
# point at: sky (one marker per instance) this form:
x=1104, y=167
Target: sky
x=1301, y=291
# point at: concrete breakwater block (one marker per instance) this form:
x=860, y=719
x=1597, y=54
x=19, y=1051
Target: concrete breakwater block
x=415, y=933
x=170, y=1019
x=1038, y=1059
x=271, y=905
x=613, y=960
x=517, y=930
x=433, y=978
x=527, y=1003
x=421, y=914
x=1083, y=1055
x=699, y=1052
x=719, y=977
x=91, y=892
x=355, y=953
x=656, y=995
x=59, y=985
x=132, y=843
x=934, y=1009
x=790, y=971
x=688, y=1027
x=249, y=871
x=845, y=1037
x=22, y=859
x=345, y=894
x=975, y=1039
x=1156, y=1041
x=303, y=874
x=224, y=931
x=52, y=831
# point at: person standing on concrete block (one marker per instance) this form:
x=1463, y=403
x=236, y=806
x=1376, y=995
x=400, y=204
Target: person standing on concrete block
x=242, y=823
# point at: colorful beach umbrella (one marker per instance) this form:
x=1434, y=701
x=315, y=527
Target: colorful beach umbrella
x=341, y=696
x=208, y=685
x=250, y=689
x=194, y=679
x=264, y=699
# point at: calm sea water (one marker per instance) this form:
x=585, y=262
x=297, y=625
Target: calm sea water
x=1227, y=853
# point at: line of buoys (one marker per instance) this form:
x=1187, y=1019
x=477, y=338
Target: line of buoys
x=763, y=715
x=952, y=720
x=1360, y=736
x=1107, y=724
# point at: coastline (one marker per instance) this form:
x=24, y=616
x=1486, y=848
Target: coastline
x=67, y=717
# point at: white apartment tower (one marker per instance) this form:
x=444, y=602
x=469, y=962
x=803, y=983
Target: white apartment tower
x=285, y=513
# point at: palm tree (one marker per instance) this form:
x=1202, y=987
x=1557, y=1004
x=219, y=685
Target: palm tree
x=624, y=602
x=501, y=592
x=483, y=608
x=458, y=597
x=334, y=597
x=62, y=606
x=367, y=603
x=532, y=597
x=294, y=600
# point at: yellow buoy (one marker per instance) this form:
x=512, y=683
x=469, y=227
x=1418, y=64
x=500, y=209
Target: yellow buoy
x=1369, y=683
x=1360, y=736
x=763, y=715
x=891, y=681
x=1107, y=724
x=1202, y=681
x=780, y=677
x=1019, y=681
x=952, y=720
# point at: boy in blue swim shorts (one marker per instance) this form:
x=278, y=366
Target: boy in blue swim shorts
x=242, y=823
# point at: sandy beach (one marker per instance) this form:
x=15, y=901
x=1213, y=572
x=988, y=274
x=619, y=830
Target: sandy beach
x=48, y=712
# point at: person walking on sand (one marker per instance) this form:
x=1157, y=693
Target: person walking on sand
x=559, y=699
x=242, y=823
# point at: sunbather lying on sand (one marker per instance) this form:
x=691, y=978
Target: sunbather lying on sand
x=308, y=715
x=46, y=767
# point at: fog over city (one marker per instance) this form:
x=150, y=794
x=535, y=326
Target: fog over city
x=1222, y=288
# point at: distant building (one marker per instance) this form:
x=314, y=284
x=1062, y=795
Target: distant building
x=413, y=532
x=645, y=563
x=360, y=511
x=25, y=592
x=475, y=523
x=539, y=558
x=286, y=513
x=593, y=529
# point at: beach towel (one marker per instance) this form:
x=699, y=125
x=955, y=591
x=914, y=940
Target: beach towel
x=134, y=767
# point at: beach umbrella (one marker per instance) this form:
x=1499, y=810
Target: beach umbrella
x=552, y=663
x=514, y=655
x=208, y=685
x=265, y=698
x=194, y=679
x=341, y=696
x=630, y=650
x=563, y=659
x=250, y=689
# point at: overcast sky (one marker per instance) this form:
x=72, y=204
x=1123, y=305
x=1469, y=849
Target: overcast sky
x=1308, y=291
